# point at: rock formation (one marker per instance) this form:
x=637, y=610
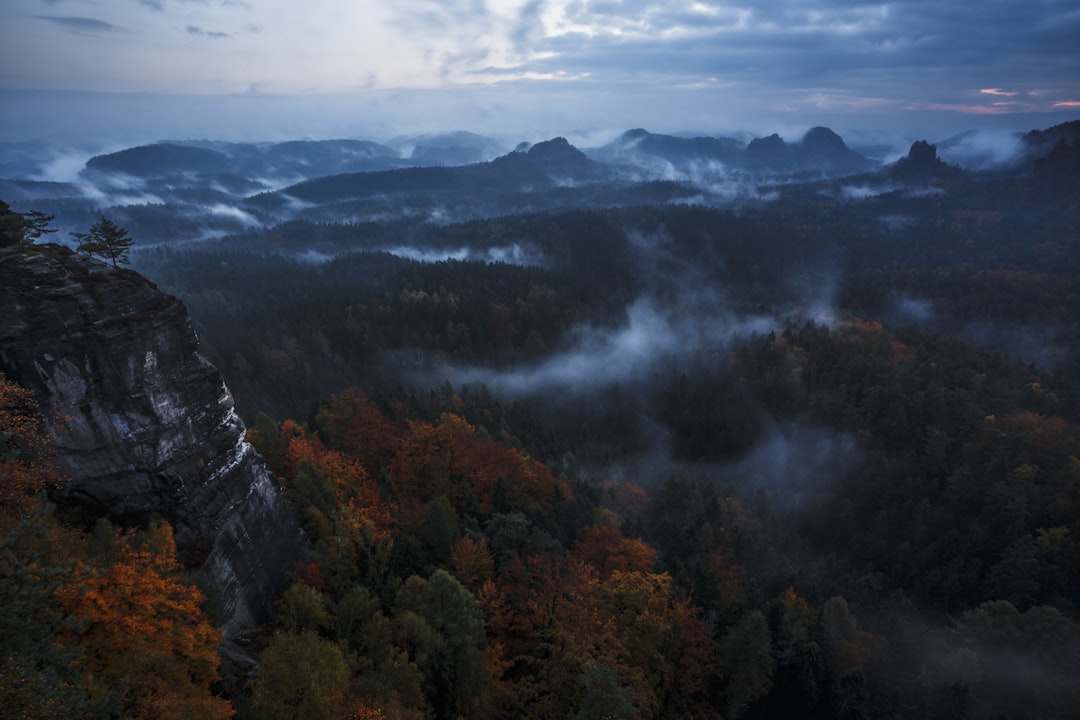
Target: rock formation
x=143, y=425
x=922, y=164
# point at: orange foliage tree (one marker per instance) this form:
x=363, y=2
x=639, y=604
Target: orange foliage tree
x=556, y=621
x=354, y=425
x=345, y=476
x=144, y=632
x=608, y=550
x=452, y=459
x=24, y=449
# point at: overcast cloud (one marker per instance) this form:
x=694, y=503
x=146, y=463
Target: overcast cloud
x=546, y=65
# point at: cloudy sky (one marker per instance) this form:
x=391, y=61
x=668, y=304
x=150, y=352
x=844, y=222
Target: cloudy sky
x=285, y=68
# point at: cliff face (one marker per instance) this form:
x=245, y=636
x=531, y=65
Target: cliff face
x=143, y=425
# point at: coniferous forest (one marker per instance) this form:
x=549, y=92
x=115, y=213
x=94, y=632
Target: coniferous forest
x=814, y=454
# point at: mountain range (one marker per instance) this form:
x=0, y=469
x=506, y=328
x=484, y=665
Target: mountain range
x=180, y=191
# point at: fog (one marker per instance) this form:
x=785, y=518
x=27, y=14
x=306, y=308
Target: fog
x=597, y=357
x=235, y=213
x=794, y=464
x=1027, y=344
x=861, y=192
x=517, y=254
x=65, y=165
x=983, y=149
x=906, y=309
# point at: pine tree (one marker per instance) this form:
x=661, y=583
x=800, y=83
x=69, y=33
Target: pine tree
x=22, y=227
x=106, y=239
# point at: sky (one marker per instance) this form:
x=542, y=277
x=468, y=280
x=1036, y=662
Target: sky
x=275, y=69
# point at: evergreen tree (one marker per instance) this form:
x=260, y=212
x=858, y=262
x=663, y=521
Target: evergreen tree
x=18, y=227
x=106, y=239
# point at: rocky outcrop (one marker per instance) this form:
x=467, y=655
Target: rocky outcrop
x=143, y=425
x=922, y=164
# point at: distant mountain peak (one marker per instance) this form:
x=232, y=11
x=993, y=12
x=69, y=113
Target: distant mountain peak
x=555, y=144
x=773, y=140
x=556, y=150
x=822, y=138
x=769, y=150
x=922, y=163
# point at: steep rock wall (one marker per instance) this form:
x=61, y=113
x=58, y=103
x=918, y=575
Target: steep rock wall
x=143, y=425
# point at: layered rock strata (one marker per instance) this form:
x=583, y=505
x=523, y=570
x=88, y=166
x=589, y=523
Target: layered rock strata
x=143, y=425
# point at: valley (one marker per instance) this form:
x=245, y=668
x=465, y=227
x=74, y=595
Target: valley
x=673, y=426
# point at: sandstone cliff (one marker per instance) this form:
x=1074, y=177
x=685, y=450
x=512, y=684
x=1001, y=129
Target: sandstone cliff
x=143, y=425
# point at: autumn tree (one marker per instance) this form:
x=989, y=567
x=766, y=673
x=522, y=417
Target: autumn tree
x=608, y=550
x=40, y=674
x=355, y=425
x=106, y=239
x=24, y=449
x=454, y=459
x=472, y=561
x=144, y=633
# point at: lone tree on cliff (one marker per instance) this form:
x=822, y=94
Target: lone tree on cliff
x=106, y=239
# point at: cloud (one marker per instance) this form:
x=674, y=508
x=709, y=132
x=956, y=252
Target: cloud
x=564, y=66
x=159, y=5
x=81, y=25
x=194, y=30
x=900, y=52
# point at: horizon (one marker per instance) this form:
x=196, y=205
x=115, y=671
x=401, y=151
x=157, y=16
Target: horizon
x=107, y=122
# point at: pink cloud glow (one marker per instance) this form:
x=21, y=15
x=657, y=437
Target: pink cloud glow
x=995, y=109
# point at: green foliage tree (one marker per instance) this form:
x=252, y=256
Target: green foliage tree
x=604, y=698
x=746, y=659
x=39, y=676
x=301, y=677
x=442, y=623
x=303, y=608
x=106, y=239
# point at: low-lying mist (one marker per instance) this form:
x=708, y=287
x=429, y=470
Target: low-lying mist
x=516, y=254
x=597, y=357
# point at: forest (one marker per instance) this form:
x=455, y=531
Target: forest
x=816, y=456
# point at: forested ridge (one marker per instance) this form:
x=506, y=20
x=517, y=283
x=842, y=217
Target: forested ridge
x=818, y=457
